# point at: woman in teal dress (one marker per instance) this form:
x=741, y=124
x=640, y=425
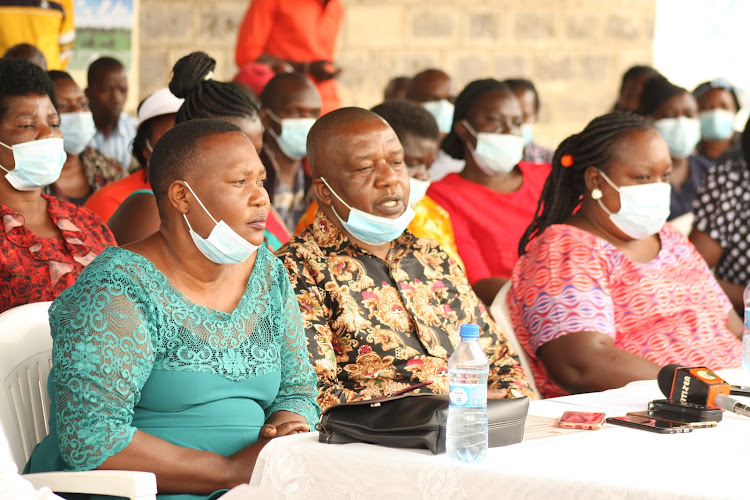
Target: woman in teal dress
x=182, y=354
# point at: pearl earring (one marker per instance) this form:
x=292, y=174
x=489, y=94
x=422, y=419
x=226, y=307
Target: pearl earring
x=596, y=194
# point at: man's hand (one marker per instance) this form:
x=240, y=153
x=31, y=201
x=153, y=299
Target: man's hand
x=497, y=393
x=324, y=70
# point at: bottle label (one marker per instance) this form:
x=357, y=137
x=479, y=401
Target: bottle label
x=747, y=317
x=468, y=395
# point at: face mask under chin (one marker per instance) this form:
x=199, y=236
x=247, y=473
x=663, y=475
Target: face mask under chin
x=369, y=228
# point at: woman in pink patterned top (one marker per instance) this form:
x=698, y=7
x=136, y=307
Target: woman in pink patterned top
x=605, y=292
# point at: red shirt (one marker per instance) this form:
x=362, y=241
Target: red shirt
x=299, y=31
x=34, y=269
x=109, y=198
x=488, y=225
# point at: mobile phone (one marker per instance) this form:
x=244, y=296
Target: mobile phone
x=675, y=418
x=692, y=409
x=581, y=420
x=649, y=424
x=738, y=390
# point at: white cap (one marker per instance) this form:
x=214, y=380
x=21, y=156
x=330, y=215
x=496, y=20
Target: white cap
x=161, y=102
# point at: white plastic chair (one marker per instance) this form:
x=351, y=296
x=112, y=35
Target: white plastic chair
x=500, y=313
x=25, y=362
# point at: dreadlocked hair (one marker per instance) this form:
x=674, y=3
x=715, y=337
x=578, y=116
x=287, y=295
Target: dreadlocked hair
x=565, y=186
x=192, y=79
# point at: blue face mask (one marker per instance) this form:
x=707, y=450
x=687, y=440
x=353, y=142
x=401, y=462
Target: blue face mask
x=223, y=245
x=681, y=134
x=527, y=133
x=371, y=228
x=717, y=124
x=442, y=110
x=293, y=138
x=77, y=129
x=38, y=163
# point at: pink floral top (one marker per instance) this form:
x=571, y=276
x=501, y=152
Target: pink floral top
x=669, y=310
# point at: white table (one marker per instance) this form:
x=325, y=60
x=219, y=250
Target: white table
x=614, y=462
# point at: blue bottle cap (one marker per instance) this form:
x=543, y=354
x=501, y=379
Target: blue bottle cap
x=470, y=331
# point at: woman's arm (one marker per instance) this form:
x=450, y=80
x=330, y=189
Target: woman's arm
x=709, y=248
x=486, y=289
x=185, y=470
x=736, y=295
x=590, y=362
x=734, y=323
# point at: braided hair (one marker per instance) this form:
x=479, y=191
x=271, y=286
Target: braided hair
x=192, y=79
x=565, y=186
x=452, y=144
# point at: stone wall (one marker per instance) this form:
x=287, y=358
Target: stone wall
x=574, y=50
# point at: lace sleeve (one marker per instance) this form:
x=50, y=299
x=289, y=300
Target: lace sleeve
x=102, y=356
x=298, y=389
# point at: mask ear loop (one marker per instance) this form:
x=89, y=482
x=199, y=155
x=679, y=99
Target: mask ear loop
x=5, y=145
x=613, y=185
x=470, y=128
x=337, y=197
x=200, y=203
x=274, y=116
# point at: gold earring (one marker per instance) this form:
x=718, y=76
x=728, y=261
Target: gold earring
x=597, y=194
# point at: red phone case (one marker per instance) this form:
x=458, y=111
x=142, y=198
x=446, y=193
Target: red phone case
x=581, y=420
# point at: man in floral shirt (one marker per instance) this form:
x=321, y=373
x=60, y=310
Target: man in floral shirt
x=381, y=308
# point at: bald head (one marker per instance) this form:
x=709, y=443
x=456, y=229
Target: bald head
x=362, y=162
x=28, y=52
x=431, y=85
x=285, y=87
x=330, y=139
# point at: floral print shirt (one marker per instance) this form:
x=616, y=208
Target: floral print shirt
x=34, y=269
x=377, y=326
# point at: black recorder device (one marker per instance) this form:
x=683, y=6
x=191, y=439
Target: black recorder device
x=688, y=409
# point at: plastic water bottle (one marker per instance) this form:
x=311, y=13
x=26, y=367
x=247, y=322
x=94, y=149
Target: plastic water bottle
x=466, y=438
x=746, y=334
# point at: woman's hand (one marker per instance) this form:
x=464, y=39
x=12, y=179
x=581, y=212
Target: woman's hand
x=269, y=431
x=280, y=423
x=284, y=423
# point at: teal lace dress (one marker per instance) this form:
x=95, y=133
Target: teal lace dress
x=131, y=352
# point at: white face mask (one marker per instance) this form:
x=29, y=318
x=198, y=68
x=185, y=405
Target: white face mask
x=644, y=208
x=495, y=153
x=38, y=163
x=527, y=133
x=442, y=111
x=417, y=190
x=681, y=134
x=293, y=138
x=77, y=129
x=223, y=245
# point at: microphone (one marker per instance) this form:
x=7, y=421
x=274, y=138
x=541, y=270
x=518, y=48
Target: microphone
x=698, y=385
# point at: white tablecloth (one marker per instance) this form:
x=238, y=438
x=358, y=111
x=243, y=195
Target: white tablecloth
x=613, y=462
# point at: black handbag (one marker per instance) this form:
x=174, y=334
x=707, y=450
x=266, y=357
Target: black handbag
x=415, y=421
